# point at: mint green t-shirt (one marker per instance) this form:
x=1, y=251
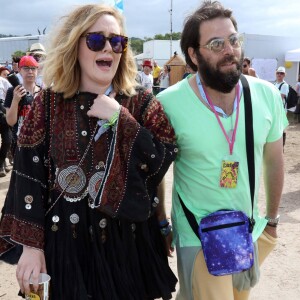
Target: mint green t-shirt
x=202, y=147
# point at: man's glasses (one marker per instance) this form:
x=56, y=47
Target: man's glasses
x=218, y=45
x=96, y=41
x=27, y=69
x=245, y=66
x=280, y=73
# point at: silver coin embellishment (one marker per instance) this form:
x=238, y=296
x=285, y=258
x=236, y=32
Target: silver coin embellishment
x=156, y=200
x=28, y=206
x=36, y=159
x=103, y=223
x=83, y=133
x=55, y=219
x=74, y=218
x=81, y=107
x=28, y=199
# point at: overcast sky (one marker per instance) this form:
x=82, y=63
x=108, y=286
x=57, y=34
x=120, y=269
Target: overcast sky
x=145, y=18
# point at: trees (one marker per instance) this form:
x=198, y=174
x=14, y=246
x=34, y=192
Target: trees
x=137, y=43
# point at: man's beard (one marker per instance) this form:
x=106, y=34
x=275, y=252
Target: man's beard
x=220, y=81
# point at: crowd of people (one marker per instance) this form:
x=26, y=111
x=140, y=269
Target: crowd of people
x=91, y=139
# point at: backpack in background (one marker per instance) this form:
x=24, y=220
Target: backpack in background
x=292, y=98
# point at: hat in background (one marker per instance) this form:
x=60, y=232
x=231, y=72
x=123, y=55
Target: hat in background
x=28, y=61
x=281, y=70
x=147, y=63
x=37, y=48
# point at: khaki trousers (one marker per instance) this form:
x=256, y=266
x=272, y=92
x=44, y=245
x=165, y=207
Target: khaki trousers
x=209, y=287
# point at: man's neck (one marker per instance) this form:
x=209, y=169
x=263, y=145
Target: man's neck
x=225, y=101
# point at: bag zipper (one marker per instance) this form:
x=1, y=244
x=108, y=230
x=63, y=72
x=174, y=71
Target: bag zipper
x=223, y=226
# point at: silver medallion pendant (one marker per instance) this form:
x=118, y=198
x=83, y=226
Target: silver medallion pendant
x=94, y=184
x=71, y=180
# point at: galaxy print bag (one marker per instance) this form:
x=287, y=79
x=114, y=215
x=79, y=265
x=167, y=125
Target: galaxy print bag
x=226, y=241
x=226, y=235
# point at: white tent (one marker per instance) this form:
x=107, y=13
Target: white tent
x=292, y=55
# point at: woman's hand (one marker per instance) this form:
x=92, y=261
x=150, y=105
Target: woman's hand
x=168, y=241
x=30, y=265
x=19, y=92
x=104, y=107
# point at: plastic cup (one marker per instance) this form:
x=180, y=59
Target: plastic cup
x=43, y=290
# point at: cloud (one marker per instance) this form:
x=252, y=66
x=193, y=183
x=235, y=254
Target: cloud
x=147, y=18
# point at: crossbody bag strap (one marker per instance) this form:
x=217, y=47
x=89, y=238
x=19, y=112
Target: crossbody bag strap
x=250, y=157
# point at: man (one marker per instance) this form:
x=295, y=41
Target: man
x=199, y=108
x=284, y=91
x=281, y=84
x=247, y=70
x=145, y=77
x=156, y=73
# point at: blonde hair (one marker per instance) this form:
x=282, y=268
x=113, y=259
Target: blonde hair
x=61, y=69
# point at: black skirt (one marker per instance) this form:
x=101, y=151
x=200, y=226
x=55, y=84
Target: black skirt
x=92, y=256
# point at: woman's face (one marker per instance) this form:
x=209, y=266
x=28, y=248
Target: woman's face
x=99, y=68
x=4, y=73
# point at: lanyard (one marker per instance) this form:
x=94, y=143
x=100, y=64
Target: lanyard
x=232, y=140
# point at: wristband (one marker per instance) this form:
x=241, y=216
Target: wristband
x=165, y=231
x=112, y=121
x=163, y=223
x=274, y=225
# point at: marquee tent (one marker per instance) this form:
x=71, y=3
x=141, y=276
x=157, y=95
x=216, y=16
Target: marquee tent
x=292, y=55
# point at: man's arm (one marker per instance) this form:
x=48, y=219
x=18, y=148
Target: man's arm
x=273, y=179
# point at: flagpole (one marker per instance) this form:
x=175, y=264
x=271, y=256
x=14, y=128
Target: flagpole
x=171, y=32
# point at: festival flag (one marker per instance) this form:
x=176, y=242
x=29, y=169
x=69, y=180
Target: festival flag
x=119, y=5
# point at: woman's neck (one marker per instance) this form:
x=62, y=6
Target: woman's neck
x=30, y=87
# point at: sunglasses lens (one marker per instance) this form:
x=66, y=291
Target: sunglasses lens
x=118, y=43
x=95, y=41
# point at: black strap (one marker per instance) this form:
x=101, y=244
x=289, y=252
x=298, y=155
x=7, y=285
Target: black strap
x=250, y=157
x=280, y=86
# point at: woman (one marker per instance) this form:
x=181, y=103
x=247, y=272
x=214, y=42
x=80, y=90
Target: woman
x=92, y=152
x=164, y=78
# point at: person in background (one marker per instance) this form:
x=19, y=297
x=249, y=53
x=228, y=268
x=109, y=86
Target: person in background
x=164, y=78
x=188, y=71
x=297, y=87
x=207, y=112
x=284, y=91
x=82, y=202
x=5, y=130
x=19, y=99
x=8, y=66
x=4, y=72
x=247, y=70
x=156, y=73
x=15, y=68
x=37, y=50
x=145, y=77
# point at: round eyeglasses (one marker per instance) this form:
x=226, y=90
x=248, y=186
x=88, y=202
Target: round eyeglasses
x=218, y=44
